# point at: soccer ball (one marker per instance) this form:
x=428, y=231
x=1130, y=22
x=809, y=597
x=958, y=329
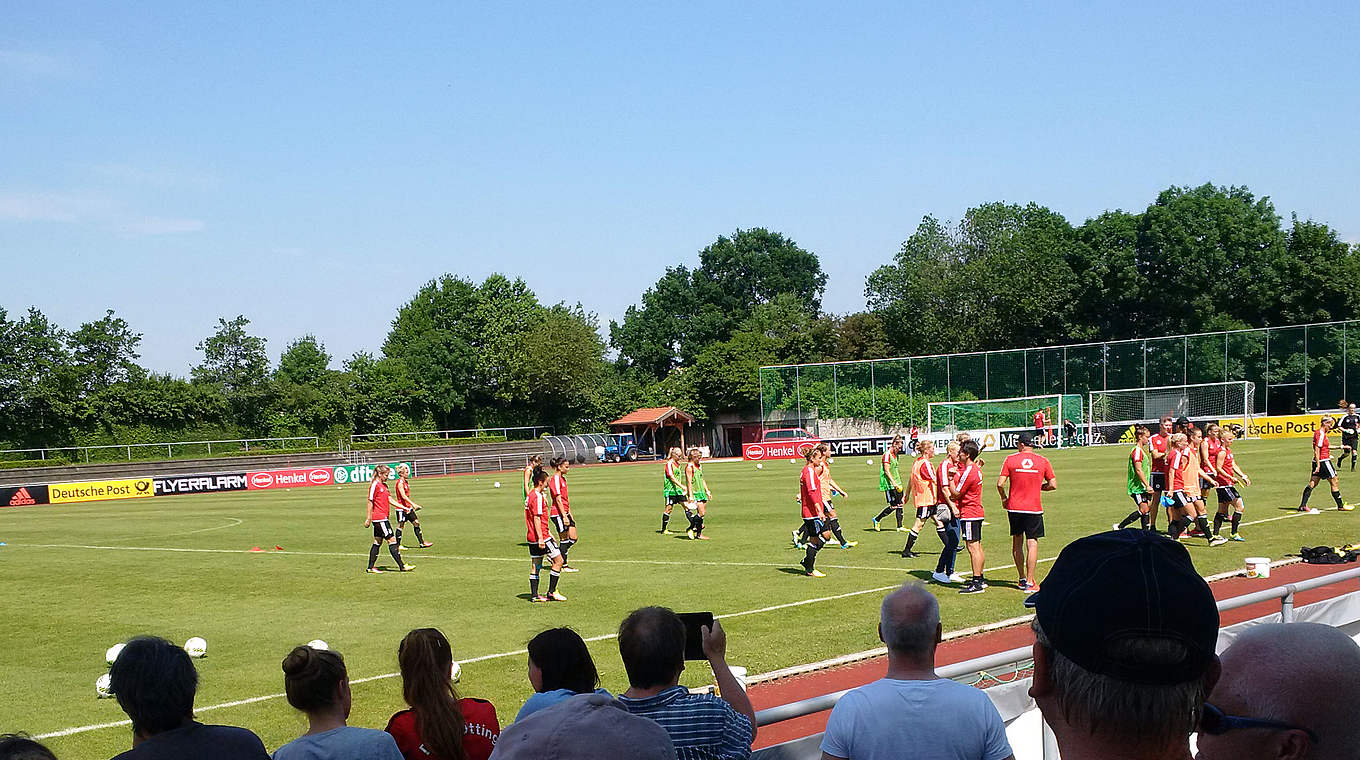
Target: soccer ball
x=319, y=645
x=455, y=672
x=103, y=686
x=497, y=484
x=760, y=466
x=196, y=647
x=112, y=653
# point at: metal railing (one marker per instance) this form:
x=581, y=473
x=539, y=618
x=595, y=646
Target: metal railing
x=169, y=447
x=1015, y=657
x=480, y=463
x=508, y=433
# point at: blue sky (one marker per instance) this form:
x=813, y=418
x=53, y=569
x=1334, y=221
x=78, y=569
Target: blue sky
x=311, y=165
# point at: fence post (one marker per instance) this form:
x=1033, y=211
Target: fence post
x=474, y=463
x=1287, y=605
x=129, y=452
x=247, y=443
x=168, y=453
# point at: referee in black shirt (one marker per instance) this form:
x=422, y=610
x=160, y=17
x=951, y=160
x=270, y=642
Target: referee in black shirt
x=1350, y=429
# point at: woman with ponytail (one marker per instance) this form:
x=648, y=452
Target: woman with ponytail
x=439, y=725
x=316, y=683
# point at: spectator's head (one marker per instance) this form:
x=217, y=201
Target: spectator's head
x=315, y=681
x=154, y=681
x=909, y=624
x=1124, y=645
x=559, y=659
x=20, y=747
x=652, y=646
x=1282, y=674
x=426, y=663
x=585, y=727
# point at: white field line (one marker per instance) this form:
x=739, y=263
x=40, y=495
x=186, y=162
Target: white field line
x=844, y=659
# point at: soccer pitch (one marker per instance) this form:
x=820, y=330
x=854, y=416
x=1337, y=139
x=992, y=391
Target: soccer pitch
x=79, y=578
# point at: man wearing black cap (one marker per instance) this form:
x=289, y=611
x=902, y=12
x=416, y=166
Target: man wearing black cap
x=1124, y=647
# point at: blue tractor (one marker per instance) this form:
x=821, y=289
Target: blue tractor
x=620, y=447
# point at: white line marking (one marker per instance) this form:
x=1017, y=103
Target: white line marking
x=234, y=522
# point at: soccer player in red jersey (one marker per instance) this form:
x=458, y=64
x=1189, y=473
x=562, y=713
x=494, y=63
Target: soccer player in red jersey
x=814, y=511
x=1323, y=469
x=541, y=543
x=967, y=489
x=947, y=510
x=406, y=509
x=1229, y=475
x=831, y=488
x=1157, y=445
x=376, y=515
x=560, y=514
x=1028, y=474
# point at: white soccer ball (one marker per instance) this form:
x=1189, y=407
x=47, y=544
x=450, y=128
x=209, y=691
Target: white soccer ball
x=497, y=484
x=793, y=461
x=103, y=686
x=318, y=644
x=196, y=647
x=868, y=461
x=455, y=672
x=112, y=653
x=760, y=466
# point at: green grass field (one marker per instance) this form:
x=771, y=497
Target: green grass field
x=78, y=578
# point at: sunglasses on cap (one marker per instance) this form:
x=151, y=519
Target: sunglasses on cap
x=1215, y=722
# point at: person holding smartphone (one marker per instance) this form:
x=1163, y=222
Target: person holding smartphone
x=652, y=646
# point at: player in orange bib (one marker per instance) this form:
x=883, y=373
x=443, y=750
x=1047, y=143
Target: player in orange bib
x=406, y=508
x=924, y=492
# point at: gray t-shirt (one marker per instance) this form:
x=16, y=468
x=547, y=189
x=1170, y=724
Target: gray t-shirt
x=344, y=743
x=925, y=720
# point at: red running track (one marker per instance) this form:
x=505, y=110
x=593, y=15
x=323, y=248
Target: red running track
x=791, y=689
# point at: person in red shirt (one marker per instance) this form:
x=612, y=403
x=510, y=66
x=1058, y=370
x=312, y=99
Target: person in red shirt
x=1229, y=475
x=377, y=515
x=562, y=518
x=439, y=725
x=406, y=509
x=1160, y=450
x=1040, y=426
x=1323, y=469
x=967, y=491
x=1028, y=475
x=814, y=511
x=947, y=512
x=541, y=542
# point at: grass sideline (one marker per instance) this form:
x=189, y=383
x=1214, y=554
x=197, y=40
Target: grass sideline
x=82, y=577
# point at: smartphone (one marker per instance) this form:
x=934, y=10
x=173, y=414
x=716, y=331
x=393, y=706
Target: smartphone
x=694, y=638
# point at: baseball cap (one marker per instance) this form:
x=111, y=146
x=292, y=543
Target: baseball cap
x=584, y=727
x=1123, y=584
x=1024, y=438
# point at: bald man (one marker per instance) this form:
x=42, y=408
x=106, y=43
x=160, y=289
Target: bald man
x=1288, y=692
x=911, y=710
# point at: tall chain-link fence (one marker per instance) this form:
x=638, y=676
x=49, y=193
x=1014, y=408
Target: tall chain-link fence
x=1295, y=368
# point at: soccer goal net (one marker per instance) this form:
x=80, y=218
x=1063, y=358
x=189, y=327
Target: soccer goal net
x=1006, y=413
x=1146, y=406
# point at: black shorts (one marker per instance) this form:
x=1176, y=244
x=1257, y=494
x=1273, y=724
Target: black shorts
x=382, y=529
x=1029, y=524
x=1350, y=441
x=1181, y=500
x=548, y=549
x=1158, y=481
x=926, y=512
x=1324, y=470
x=1227, y=494
x=894, y=497
x=971, y=528
x=560, y=523
x=674, y=499
x=405, y=516
x=812, y=526
x=1141, y=498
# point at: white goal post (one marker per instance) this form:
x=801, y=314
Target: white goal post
x=1198, y=402
x=1015, y=413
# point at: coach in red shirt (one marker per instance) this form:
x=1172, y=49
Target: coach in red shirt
x=1028, y=474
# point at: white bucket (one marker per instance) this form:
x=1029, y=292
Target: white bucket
x=1258, y=567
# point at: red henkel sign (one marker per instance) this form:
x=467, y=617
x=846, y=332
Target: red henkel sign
x=312, y=476
x=787, y=449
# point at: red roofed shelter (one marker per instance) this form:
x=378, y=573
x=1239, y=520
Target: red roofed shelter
x=654, y=423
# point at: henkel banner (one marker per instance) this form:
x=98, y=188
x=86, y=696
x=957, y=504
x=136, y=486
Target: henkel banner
x=794, y=449
x=307, y=476
x=23, y=496
x=209, y=483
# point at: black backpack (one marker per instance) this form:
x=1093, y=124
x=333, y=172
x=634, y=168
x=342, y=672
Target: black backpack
x=1328, y=555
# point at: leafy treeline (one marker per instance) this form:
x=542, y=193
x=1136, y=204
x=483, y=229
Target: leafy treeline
x=462, y=354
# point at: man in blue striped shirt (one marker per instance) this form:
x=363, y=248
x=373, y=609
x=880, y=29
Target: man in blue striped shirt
x=702, y=726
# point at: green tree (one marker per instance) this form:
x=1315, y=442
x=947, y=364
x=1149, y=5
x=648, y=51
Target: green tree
x=552, y=376
x=304, y=362
x=861, y=336
x=105, y=353
x=382, y=394
x=232, y=357
x=435, y=338
x=38, y=387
